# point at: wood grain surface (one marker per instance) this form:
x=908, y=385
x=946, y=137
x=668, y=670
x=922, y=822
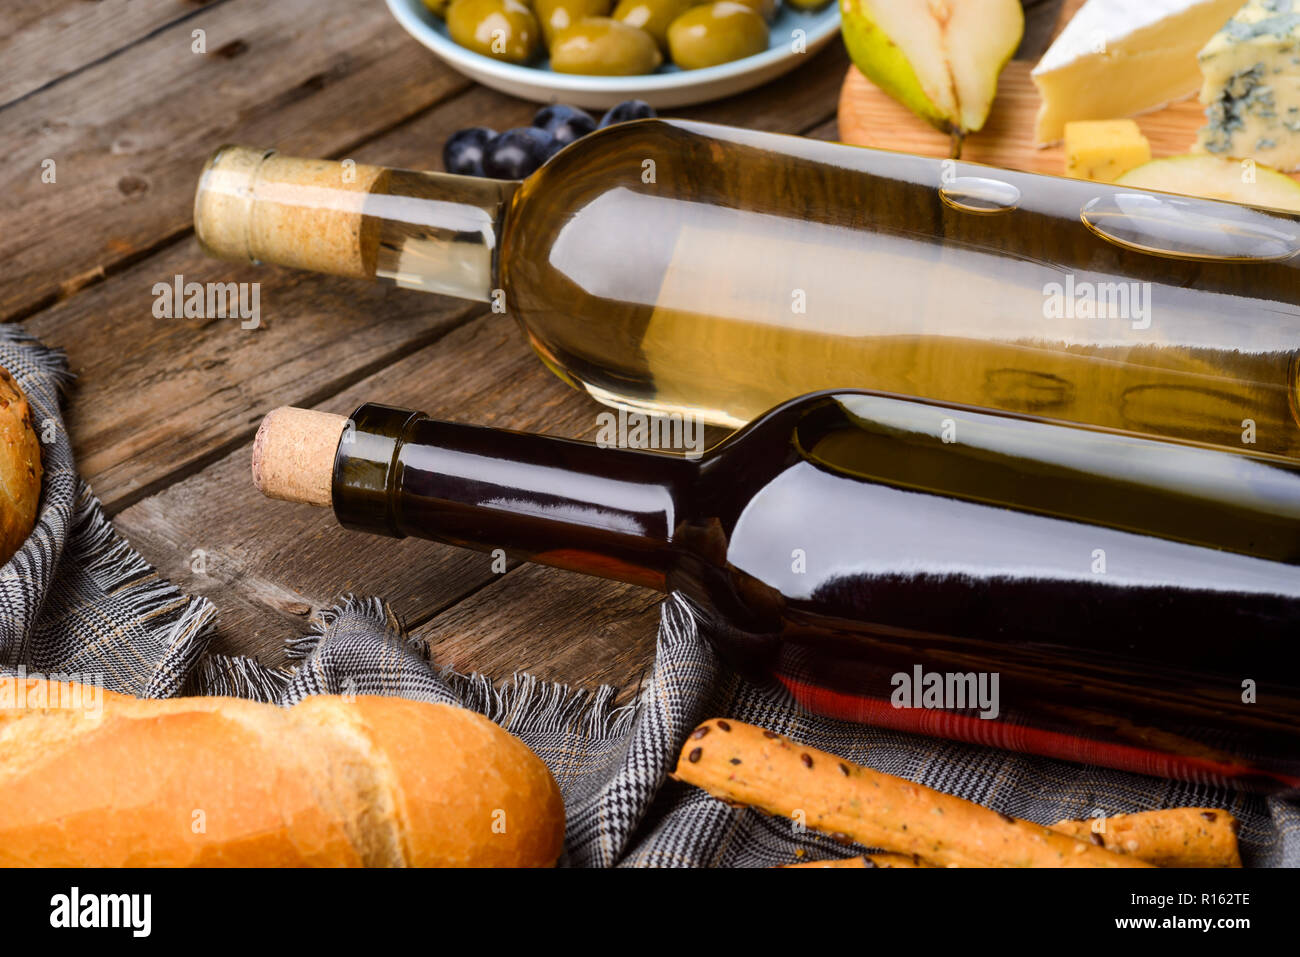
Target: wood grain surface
x=164, y=410
x=42, y=42
x=870, y=117
x=129, y=132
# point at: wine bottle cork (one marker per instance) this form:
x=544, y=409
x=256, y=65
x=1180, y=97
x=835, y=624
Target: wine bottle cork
x=293, y=455
x=256, y=205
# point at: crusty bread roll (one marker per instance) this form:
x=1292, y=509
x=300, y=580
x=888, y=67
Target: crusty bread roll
x=224, y=782
x=20, y=467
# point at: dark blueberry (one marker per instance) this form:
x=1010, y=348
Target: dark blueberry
x=565, y=123
x=517, y=153
x=627, y=110
x=556, y=146
x=463, y=153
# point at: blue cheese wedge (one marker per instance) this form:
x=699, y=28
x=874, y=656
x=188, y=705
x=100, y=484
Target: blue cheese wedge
x=1252, y=85
x=1116, y=58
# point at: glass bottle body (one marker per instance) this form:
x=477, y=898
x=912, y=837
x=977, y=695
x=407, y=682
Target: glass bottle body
x=1097, y=597
x=681, y=267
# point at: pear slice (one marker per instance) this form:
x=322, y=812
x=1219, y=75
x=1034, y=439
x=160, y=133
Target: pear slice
x=980, y=37
x=1212, y=177
x=939, y=58
x=898, y=46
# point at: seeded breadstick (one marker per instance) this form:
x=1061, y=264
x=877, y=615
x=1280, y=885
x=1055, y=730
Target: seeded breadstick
x=1177, y=837
x=747, y=765
x=1174, y=837
x=867, y=860
x=894, y=860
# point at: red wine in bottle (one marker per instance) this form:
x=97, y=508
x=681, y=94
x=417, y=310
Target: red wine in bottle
x=1059, y=590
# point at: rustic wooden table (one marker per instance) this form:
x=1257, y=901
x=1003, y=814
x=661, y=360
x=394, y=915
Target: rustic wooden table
x=164, y=410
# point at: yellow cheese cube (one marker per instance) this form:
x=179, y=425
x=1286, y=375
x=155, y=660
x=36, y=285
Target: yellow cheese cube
x=1104, y=150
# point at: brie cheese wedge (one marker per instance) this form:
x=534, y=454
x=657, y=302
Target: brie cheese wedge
x=1252, y=85
x=1116, y=58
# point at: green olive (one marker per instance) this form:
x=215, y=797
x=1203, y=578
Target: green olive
x=652, y=16
x=558, y=14
x=437, y=7
x=808, y=5
x=599, y=46
x=502, y=29
x=717, y=33
x=764, y=8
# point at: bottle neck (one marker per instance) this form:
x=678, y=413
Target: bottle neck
x=428, y=231
x=573, y=505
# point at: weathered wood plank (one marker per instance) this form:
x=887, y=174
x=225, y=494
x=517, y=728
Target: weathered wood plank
x=829, y=131
x=158, y=397
x=558, y=626
x=42, y=41
x=183, y=392
x=129, y=134
x=269, y=564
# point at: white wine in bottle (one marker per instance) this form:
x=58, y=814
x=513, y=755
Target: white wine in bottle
x=683, y=267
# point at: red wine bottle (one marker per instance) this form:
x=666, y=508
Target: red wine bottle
x=1053, y=589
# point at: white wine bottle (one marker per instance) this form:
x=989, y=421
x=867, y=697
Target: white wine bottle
x=679, y=267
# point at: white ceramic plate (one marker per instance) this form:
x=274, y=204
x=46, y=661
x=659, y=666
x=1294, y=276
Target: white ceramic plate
x=666, y=88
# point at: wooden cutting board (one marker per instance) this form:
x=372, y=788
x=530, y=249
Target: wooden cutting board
x=870, y=117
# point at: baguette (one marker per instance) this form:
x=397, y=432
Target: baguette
x=330, y=782
x=1177, y=837
x=747, y=765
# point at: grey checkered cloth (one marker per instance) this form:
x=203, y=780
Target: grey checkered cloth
x=78, y=600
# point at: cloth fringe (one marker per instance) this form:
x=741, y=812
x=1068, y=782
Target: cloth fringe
x=237, y=676
x=48, y=359
x=125, y=575
x=187, y=642
x=369, y=611
x=111, y=561
x=524, y=704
